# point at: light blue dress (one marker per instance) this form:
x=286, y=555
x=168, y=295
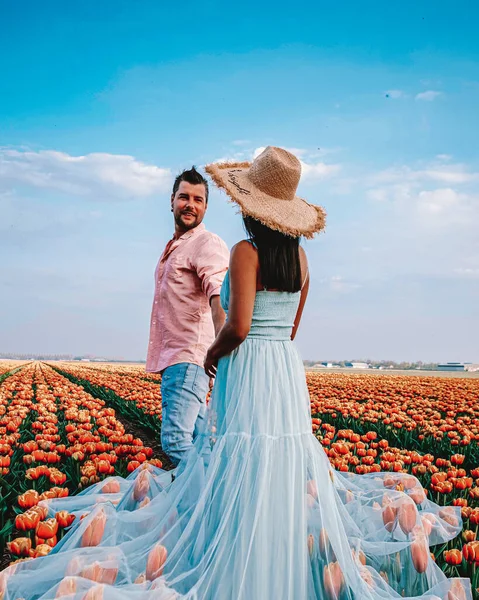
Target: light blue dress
x=255, y=512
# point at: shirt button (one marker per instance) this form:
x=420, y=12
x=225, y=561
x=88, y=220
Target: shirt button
x=156, y=301
x=154, y=322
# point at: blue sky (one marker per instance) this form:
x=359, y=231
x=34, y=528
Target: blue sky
x=101, y=104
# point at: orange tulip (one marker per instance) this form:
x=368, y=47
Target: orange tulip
x=94, y=593
x=407, y=516
x=323, y=543
x=333, y=580
x=155, y=562
x=103, y=467
x=457, y=459
x=141, y=487
x=97, y=572
x=389, y=514
x=470, y=551
x=418, y=495
x=419, y=555
x=47, y=529
x=448, y=514
x=28, y=499
x=134, y=464
x=42, y=550
x=64, y=518
x=66, y=587
x=457, y=591
x=41, y=511
x=20, y=546
x=52, y=542
x=312, y=488
x=94, y=531
x=26, y=521
x=468, y=535
x=111, y=487
x=453, y=557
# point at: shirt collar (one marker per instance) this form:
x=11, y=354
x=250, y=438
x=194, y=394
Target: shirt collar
x=191, y=232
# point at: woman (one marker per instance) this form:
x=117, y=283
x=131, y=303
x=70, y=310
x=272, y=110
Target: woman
x=255, y=511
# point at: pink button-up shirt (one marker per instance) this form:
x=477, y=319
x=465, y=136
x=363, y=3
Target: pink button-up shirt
x=189, y=272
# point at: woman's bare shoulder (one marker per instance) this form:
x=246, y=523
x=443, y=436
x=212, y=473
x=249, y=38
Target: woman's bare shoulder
x=244, y=249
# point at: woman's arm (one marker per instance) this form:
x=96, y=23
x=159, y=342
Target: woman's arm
x=304, y=292
x=242, y=273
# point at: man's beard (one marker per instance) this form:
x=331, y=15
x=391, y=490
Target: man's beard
x=189, y=225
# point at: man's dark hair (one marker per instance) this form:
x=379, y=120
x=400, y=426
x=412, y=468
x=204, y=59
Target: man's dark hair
x=191, y=176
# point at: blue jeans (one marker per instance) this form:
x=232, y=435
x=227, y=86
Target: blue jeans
x=184, y=387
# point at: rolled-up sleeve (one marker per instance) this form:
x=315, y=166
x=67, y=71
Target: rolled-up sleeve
x=211, y=263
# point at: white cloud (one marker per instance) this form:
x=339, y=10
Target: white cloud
x=436, y=172
x=318, y=170
x=97, y=174
x=378, y=194
x=438, y=201
x=241, y=142
x=444, y=157
x=395, y=94
x=258, y=151
x=428, y=96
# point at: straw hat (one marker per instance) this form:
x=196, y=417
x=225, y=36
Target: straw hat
x=266, y=190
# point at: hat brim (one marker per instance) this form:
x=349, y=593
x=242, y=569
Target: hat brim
x=296, y=217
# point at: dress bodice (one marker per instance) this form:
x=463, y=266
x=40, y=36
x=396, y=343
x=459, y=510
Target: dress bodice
x=273, y=313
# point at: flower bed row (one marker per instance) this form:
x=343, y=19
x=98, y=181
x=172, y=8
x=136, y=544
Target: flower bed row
x=432, y=414
x=55, y=439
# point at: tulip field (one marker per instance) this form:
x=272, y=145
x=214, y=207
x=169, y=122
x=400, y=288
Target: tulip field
x=65, y=426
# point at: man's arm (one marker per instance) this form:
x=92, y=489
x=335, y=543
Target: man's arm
x=211, y=264
x=217, y=313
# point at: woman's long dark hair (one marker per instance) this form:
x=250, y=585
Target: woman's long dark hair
x=278, y=254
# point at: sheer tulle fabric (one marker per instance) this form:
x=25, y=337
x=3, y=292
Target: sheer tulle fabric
x=255, y=512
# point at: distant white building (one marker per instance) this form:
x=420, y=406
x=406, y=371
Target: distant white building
x=359, y=365
x=455, y=366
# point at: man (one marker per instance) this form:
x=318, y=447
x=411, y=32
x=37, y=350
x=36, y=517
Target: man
x=186, y=314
